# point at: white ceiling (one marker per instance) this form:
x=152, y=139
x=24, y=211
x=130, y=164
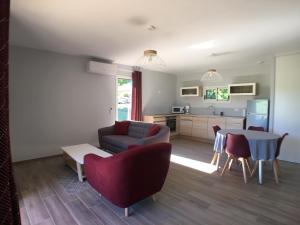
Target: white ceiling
x=241, y=31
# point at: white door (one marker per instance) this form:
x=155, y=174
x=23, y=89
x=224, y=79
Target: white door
x=287, y=105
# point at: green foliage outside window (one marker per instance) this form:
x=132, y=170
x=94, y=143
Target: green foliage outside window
x=211, y=93
x=223, y=94
x=123, y=81
x=217, y=94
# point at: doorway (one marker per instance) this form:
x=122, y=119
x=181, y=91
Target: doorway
x=123, y=98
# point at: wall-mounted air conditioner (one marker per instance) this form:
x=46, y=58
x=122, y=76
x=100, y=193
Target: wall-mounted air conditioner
x=102, y=68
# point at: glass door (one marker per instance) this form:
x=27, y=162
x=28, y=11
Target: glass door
x=124, y=91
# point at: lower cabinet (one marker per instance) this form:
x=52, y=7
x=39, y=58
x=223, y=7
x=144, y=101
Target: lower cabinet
x=186, y=125
x=199, y=128
x=156, y=119
x=202, y=126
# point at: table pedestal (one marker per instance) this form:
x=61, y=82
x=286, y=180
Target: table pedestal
x=260, y=171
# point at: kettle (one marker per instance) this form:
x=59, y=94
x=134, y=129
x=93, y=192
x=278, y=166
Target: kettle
x=187, y=109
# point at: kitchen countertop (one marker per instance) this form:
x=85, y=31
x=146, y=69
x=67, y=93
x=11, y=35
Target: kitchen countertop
x=196, y=115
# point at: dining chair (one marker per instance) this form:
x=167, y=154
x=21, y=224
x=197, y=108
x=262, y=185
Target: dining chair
x=275, y=162
x=216, y=156
x=237, y=147
x=216, y=128
x=256, y=128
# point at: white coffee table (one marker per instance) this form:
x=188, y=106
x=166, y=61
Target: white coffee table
x=74, y=156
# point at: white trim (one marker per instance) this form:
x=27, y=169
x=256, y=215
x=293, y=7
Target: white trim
x=187, y=88
x=241, y=85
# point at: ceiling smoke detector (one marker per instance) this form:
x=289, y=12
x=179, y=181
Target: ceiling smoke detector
x=151, y=28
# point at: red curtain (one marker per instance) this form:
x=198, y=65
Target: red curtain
x=9, y=208
x=136, y=109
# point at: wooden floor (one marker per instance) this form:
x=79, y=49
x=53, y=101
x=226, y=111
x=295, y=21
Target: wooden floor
x=189, y=196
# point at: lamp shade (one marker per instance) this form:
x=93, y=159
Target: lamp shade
x=151, y=59
x=211, y=75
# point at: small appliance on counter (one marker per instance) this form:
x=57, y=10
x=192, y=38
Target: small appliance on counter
x=187, y=109
x=178, y=109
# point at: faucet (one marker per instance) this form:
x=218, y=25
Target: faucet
x=212, y=109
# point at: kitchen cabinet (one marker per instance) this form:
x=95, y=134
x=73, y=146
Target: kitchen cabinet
x=242, y=89
x=190, y=91
x=186, y=125
x=159, y=119
x=199, y=126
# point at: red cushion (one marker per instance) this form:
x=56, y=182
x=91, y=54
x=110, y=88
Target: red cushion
x=154, y=129
x=121, y=128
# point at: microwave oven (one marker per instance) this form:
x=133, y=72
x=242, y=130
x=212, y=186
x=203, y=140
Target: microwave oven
x=178, y=109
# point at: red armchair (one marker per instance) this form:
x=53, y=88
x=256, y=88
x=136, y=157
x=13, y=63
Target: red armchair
x=129, y=176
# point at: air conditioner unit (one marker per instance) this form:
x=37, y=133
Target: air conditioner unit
x=102, y=68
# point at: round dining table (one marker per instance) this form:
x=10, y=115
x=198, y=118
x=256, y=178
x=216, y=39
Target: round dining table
x=262, y=145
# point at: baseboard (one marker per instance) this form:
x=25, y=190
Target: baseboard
x=30, y=160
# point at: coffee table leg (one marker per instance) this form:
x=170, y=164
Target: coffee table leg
x=260, y=171
x=79, y=172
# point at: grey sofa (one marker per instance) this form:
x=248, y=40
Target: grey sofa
x=137, y=135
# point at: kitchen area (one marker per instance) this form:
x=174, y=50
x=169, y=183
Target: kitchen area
x=196, y=122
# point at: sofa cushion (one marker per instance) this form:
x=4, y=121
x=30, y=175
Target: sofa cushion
x=138, y=129
x=154, y=129
x=121, y=128
x=121, y=141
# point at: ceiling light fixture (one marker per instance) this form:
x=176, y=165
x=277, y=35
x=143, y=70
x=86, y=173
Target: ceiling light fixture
x=150, y=58
x=211, y=75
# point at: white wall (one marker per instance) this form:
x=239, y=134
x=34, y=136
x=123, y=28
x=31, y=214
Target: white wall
x=159, y=92
x=287, y=105
x=55, y=102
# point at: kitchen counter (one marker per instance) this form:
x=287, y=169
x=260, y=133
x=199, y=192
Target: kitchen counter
x=195, y=115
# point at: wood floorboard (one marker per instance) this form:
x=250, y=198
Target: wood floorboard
x=58, y=211
x=189, y=196
x=24, y=216
x=34, y=205
x=82, y=214
x=106, y=215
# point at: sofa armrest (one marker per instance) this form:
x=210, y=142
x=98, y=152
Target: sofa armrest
x=162, y=136
x=105, y=131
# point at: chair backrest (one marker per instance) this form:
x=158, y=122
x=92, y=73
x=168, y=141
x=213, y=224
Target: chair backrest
x=138, y=172
x=256, y=128
x=279, y=143
x=138, y=129
x=237, y=145
x=216, y=128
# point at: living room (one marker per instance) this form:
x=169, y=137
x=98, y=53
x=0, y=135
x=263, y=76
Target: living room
x=188, y=73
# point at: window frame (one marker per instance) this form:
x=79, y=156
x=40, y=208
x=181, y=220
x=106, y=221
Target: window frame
x=205, y=88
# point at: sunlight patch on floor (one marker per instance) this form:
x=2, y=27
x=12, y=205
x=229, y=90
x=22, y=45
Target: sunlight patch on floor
x=194, y=164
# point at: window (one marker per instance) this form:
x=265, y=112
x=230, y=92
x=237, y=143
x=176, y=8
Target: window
x=124, y=91
x=216, y=94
